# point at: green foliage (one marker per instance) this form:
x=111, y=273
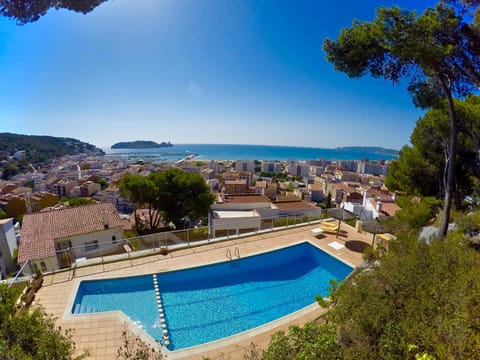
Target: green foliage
x=420, y=168
x=30, y=12
x=32, y=335
x=328, y=203
x=38, y=149
x=414, y=213
x=9, y=170
x=175, y=194
x=42, y=148
x=469, y=224
x=77, y=201
x=312, y=341
x=29, y=184
x=133, y=348
x=140, y=144
x=279, y=175
x=420, y=294
x=432, y=51
x=3, y=214
x=412, y=174
x=103, y=183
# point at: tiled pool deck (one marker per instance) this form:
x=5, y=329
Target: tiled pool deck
x=100, y=333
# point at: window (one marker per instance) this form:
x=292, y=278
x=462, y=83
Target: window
x=114, y=239
x=43, y=266
x=91, y=245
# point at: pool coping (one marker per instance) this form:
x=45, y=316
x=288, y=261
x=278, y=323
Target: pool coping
x=211, y=345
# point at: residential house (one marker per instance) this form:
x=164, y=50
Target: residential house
x=237, y=213
x=235, y=186
x=297, y=208
x=7, y=189
x=89, y=188
x=53, y=239
x=250, y=212
x=343, y=175
x=63, y=187
x=236, y=175
x=316, y=192
x=375, y=203
x=207, y=174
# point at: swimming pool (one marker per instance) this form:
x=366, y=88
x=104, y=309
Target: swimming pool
x=210, y=302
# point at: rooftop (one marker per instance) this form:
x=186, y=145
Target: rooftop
x=245, y=198
x=294, y=205
x=41, y=229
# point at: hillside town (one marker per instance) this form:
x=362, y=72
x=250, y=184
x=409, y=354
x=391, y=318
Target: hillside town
x=37, y=206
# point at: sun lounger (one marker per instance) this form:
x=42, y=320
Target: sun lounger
x=329, y=226
x=317, y=231
x=385, y=239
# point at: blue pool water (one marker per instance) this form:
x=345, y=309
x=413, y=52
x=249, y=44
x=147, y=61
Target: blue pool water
x=211, y=302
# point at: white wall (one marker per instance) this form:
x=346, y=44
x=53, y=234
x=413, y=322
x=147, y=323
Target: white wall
x=104, y=239
x=241, y=206
x=8, y=243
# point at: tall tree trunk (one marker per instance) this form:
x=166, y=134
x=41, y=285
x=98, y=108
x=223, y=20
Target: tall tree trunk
x=450, y=161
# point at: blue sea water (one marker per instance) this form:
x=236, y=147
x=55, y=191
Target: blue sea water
x=241, y=152
x=214, y=301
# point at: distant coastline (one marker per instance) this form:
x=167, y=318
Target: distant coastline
x=140, y=144
x=370, y=149
x=254, y=152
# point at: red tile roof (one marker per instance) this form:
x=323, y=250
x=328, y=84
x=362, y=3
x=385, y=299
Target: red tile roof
x=39, y=230
x=389, y=209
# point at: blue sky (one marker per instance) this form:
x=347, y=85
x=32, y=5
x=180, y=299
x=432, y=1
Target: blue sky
x=197, y=71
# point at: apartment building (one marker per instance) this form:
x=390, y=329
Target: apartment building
x=272, y=166
x=245, y=165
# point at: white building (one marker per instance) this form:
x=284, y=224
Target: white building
x=245, y=165
x=271, y=166
x=52, y=240
x=8, y=243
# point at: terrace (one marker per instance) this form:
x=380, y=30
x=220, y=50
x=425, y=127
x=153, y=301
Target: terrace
x=100, y=333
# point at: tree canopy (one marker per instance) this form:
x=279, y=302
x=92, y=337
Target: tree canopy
x=420, y=167
x=26, y=11
x=420, y=299
x=434, y=51
x=177, y=196
x=31, y=335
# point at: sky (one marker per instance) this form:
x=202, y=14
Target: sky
x=198, y=72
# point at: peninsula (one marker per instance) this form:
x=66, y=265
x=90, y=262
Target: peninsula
x=372, y=149
x=140, y=144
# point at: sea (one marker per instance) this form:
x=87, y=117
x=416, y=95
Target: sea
x=250, y=152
